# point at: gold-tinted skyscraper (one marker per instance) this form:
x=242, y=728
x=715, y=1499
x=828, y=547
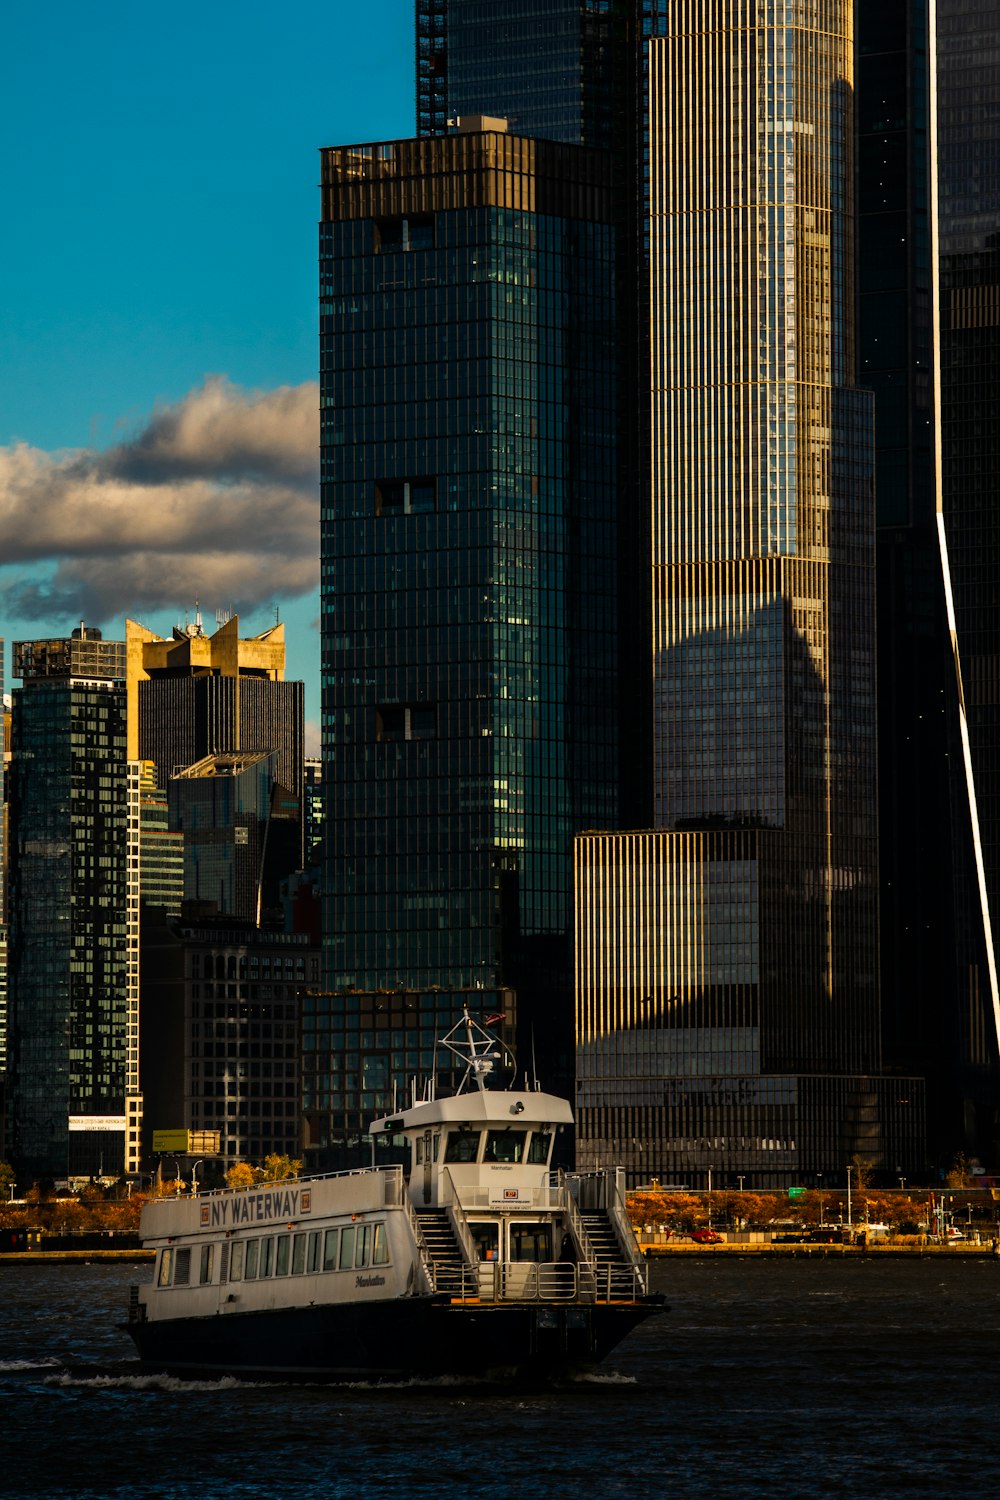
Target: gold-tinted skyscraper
x=727, y=963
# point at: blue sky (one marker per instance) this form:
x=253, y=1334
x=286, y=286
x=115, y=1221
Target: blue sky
x=159, y=228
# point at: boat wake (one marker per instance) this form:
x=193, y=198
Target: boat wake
x=18, y=1366
x=174, y=1384
x=602, y=1377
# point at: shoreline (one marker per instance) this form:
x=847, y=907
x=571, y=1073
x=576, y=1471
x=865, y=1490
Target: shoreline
x=649, y=1251
x=71, y=1257
x=657, y=1252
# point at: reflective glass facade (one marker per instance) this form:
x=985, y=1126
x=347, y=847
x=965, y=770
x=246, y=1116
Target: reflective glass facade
x=73, y=1043
x=161, y=849
x=547, y=66
x=237, y=847
x=968, y=81
x=469, y=697
x=746, y=540
x=924, y=834
x=761, y=545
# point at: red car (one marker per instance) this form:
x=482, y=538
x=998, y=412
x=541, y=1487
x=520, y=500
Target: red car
x=706, y=1237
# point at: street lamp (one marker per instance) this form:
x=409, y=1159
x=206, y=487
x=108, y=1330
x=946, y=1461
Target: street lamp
x=850, y=1224
x=194, y=1173
x=902, y=1183
x=819, y=1185
x=710, y=1197
x=740, y=1180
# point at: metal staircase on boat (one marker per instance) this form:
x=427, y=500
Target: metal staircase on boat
x=443, y=1249
x=616, y=1278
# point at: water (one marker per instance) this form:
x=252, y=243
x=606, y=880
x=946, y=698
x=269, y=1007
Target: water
x=768, y=1378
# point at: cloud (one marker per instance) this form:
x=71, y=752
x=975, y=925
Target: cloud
x=216, y=497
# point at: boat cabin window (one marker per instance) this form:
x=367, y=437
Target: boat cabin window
x=267, y=1255
x=541, y=1145
x=312, y=1263
x=281, y=1255
x=380, y=1247
x=486, y=1238
x=364, y=1245
x=175, y=1267
x=236, y=1261
x=347, y=1249
x=462, y=1146
x=207, y=1260
x=330, y=1246
x=531, y=1242
x=253, y=1252
x=505, y=1145
x=298, y=1254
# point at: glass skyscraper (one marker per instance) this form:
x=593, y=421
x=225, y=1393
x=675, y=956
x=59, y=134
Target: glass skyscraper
x=727, y=961
x=469, y=597
x=968, y=181
x=73, y=1010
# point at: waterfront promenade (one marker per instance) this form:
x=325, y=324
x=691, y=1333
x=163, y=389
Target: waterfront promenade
x=881, y=1248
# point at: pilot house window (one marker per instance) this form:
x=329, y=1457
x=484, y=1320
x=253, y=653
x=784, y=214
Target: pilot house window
x=505, y=1145
x=463, y=1146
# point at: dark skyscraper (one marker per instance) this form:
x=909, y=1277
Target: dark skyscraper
x=74, y=1028
x=968, y=99
x=468, y=376
x=727, y=962
x=553, y=66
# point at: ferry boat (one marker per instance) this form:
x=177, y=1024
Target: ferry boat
x=478, y=1261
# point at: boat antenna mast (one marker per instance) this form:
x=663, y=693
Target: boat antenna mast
x=478, y=1048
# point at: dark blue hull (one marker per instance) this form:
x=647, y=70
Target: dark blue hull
x=399, y=1339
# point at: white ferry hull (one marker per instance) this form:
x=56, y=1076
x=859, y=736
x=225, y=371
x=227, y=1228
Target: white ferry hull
x=398, y=1338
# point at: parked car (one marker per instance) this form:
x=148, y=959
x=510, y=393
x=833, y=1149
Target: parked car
x=706, y=1237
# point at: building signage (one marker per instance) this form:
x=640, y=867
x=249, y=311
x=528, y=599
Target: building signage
x=96, y=1122
x=268, y=1207
x=204, y=1142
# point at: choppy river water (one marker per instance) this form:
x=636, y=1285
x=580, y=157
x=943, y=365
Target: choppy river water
x=874, y=1378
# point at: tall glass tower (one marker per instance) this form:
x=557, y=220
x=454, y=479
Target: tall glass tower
x=968, y=181
x=73, y=1009
x=727, y=955
x=469, y=598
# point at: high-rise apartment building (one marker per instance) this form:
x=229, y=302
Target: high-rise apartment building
x=468, y=626
x=73, y=904
x=196, y=695
x=727, y=961
x=221, y=1033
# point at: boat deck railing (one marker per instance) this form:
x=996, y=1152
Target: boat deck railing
x=393, y=1170
x=543, y=1281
